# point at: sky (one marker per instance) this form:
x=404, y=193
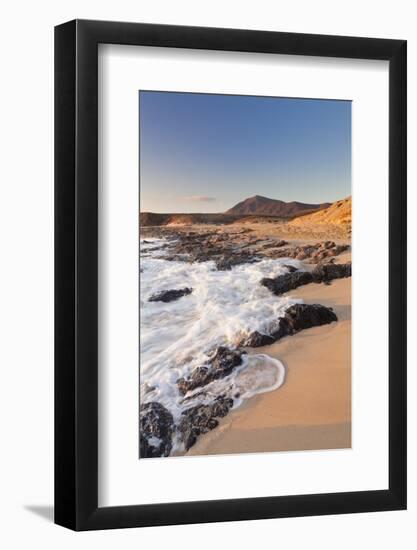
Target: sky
x=207, y=152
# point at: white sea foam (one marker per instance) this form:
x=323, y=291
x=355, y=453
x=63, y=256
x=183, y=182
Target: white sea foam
x=224, y=306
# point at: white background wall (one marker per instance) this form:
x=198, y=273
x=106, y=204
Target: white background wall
x=26, y=247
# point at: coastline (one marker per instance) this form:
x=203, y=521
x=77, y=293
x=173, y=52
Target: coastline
x=312, y=410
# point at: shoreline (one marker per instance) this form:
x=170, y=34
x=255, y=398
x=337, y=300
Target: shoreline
x=273, y=230
x=312, y=410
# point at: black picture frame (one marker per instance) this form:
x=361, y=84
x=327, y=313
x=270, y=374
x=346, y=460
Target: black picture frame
x=76, y=272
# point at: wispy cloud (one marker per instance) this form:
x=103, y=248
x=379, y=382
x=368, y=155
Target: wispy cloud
x=199, y=198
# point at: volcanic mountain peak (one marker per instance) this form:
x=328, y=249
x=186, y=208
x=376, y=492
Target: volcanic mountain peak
x=259, y=205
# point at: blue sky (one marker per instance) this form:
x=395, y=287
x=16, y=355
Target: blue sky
x=206, y=152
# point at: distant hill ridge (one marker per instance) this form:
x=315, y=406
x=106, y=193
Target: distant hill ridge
x=263, y=206
x=338, y=213
x=258, y=205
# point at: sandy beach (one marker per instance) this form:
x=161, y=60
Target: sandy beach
x=312, y=410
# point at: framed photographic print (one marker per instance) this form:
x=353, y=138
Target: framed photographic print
x=230, y=275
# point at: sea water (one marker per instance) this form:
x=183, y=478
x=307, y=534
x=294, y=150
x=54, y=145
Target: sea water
x=224, y=306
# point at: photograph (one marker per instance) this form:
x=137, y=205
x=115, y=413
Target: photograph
x=189, y=358
x=245, y=274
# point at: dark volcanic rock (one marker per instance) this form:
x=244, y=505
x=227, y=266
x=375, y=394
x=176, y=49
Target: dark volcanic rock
x=297, y=317
x=227, y=261
x=301, y=316
x=156, y=426
x=313, y=252
x=234, y=247
x=288, y=281
x=201, y=419
x=327, y=272
x=170, y=295
x=320, y=274
x=219, y=365
x=257, y=339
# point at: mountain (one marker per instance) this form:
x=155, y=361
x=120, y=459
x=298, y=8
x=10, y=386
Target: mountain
x=262, y=206
x=338, y=213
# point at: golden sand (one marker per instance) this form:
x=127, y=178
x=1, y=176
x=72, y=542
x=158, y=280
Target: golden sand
x=312, y=410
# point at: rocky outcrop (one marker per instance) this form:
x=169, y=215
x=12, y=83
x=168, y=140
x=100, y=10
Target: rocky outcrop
x=227, y=261
x=313, y=252
x=156, y=426
x=320, y=274
x=221, y=364
x=170, y=295
x=325, y=273
x=201, y=419
x=301, y=316
x=296, y=318
x=257, y=339
x=234, y=247
x=288, y=281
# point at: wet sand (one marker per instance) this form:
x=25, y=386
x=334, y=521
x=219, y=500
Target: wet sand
x=312, y=410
